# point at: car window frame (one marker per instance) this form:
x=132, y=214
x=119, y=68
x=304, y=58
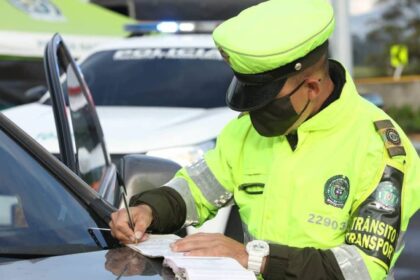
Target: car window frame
x=58, y=55
x=51, y=66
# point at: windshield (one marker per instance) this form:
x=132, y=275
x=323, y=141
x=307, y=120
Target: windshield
x=178, y=77
x=38, y=216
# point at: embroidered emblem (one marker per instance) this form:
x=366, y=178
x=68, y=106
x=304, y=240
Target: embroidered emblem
x=393, y=136
x=390, y=137
x=386, y=196
x=336, y=191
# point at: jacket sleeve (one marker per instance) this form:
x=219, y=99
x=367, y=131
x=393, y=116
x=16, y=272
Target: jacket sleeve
x=207, y=185
x=168, y=209
x=194, y=195
x=382, y=208
x=375, y=224
x=301, y=263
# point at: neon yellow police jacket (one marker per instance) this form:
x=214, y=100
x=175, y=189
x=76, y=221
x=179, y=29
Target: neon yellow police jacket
x=351, y=185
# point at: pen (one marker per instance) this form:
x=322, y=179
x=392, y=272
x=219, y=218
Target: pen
x=130, y=220
x=97, y=228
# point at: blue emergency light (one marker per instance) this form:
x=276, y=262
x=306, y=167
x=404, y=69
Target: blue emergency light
x=172, y=27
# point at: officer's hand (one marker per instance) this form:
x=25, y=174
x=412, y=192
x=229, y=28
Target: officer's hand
x=120, y=228
x=211, y=245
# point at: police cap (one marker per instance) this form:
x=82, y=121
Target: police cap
x=267, y=43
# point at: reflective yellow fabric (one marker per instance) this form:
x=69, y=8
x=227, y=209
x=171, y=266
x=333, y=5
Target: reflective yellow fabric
x=282, y=31
x=341, y=140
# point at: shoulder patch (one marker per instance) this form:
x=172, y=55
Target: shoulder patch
x=390, y=137
x=375, y=225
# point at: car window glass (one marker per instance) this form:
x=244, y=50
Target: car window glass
x=37, y=213
x=189, y=77
x=90, y=153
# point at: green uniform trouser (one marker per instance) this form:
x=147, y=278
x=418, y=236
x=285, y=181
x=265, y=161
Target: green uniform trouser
x=351, y=185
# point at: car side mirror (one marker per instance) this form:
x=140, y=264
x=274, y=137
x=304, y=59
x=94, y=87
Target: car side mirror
x=141, y=173
x=33, y=94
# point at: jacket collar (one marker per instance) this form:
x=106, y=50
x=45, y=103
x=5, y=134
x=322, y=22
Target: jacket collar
x=337, y=111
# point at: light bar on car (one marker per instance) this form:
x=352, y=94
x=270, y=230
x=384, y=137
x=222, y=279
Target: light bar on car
x=172, y=27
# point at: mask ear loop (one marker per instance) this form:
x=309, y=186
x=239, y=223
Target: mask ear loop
x=303, y=115
x=294, y=91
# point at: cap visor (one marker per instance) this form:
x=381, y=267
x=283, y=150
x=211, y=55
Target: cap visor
x=244, y=97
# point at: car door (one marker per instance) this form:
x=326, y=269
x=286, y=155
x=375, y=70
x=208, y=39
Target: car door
x=81, y=139
x=45, y=209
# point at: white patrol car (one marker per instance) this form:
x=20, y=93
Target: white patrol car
x=161, y=95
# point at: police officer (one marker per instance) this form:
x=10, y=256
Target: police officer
x=325, y=182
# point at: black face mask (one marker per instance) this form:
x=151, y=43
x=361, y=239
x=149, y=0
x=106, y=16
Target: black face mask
x=278, y=117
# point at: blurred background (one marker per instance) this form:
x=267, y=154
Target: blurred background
x=377, y=40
